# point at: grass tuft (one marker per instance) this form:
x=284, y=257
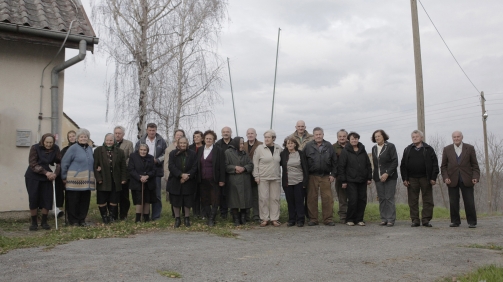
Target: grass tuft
x=491, y=273
x=169, y=274
x=488, y=247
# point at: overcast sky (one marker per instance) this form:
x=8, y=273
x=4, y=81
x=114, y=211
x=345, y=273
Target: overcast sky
x=342, y=64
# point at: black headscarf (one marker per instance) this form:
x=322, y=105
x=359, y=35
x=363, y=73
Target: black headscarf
x=235, y=144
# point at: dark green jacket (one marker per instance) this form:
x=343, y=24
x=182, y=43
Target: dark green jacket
x=119, y=169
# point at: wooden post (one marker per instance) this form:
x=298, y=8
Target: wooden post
x=418, y=68
x=486, y=153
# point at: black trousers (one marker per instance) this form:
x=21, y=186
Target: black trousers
x=78, y=206
x=224, y=209
x=295, y=196
x=357, y=201
x=60, y=192
x=124, y=202
x=196, y=208
x=210, y=197
x=468, y=200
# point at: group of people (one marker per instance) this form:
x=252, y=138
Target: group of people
x=245, y=177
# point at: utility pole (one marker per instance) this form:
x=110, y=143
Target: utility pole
x=419, y=68
x=232, y=93
x=275, y=71
x=486, y=152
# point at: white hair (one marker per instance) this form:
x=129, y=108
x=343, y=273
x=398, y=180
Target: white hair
x=418, y=132
x=121, y=128
x=106, y=135
x=83, y=131
x=272, y=132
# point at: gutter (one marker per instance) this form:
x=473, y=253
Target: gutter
x=58, y=35
x=55, y=84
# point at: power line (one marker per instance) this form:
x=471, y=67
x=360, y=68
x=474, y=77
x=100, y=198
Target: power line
x=478, y=92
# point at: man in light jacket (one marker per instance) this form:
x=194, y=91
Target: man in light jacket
x=127, y=147
x=301, y=135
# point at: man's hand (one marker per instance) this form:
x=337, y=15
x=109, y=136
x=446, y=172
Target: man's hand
x=474, y=181
x=432, y=182
x=221, y=184
x=406, y=183
x=123, y=182
x=344, y=185
x=185, y=177
x=384, y=177
x=447, y=181
x=332, y=179
x=98, y=168
x=257, y=180
x=369, y=182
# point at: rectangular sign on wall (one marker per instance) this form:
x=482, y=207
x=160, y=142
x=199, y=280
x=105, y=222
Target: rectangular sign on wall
x=23, y=138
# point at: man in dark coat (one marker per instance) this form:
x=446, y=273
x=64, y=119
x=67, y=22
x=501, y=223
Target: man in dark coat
x=157, y=146
x=250, y=146
x=342, y=139
x=460, y=171
x=419, y=169
x=127, y=147
x=224, y=145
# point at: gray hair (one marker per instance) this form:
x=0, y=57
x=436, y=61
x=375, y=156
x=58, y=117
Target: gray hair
x=272, y=132
x=121, y=128
x=418, y=132
x=83, y=131
x=318, y=129
x=106, y=135
x=341, y=130
x=143, y=145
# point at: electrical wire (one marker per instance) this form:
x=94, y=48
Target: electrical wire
x=448, y=47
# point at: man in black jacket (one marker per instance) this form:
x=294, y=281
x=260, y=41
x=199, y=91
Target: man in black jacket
x=224, y=145
x=322, y=164
x=419, y=169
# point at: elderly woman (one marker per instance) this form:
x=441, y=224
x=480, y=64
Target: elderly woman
x=198, y=141
x=295, y=178
x=182, y=181
x=385, y=176
x=39, y=177
x=267, y=174
x=355, y=172
x=238, y=168
x=211, y=175
x=110, y=172
x=77, y=173
x=142, y=172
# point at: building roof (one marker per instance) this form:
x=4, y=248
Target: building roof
x=50, y=16
x=47, y=14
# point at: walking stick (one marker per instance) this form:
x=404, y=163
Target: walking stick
x=142, y=187
x=54, y=199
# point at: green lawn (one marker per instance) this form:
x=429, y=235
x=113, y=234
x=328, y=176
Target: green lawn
x=14, y=234
x=491, y=273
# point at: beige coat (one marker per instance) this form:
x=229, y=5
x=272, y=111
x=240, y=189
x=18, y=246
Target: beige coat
x=305, y=139
x=127, y=147
x=170, y=148
x=265, y=165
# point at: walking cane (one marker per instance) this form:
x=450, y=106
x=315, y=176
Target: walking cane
x=54, y=199
x=141, y=217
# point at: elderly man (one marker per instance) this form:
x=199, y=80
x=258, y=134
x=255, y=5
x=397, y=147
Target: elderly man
x=460, y=171
x=419, y=169
x=224, y=145
x=127, y=147
x=342, y=139
x=249, y=147
x=301, y=134
x=156, y=147
x=322, y=165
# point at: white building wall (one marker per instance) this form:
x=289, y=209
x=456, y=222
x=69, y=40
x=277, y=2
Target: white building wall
x=21, y=66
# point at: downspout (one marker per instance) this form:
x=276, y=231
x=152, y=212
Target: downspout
x=55, y=85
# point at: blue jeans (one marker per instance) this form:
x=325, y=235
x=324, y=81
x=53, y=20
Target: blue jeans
x=157, y=207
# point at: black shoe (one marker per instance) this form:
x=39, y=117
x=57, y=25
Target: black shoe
x=235, y=219
x=454, y=225
x=300, y=224
x=414, y=224
x=104, y=215
x=83, y=224
x=472, y=226
x=290, y=224
x=312, y=223
x=177, y=222
x=33, y=227
x=427, y=224
x=186, y=221
x=45, y=226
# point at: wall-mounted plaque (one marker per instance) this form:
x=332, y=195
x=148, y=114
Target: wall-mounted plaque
x=23, y=138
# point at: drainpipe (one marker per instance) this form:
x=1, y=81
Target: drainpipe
x=55, y=85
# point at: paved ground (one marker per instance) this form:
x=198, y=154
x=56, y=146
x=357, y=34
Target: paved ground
x=321, y=253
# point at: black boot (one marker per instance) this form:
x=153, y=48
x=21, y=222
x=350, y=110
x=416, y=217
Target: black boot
x=177, y=222
x=112, y=213
x=34, y=224
x=243, y=213
x=44, y=222
x=104, y=215
x=138, y=217
x=187, y=221
x=247, y=216
x=146, y=217
x=235, y=219
x=211, y=218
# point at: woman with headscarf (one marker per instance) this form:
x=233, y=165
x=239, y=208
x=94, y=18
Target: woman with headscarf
x=77, y=173
x=39, y=177
x=239, y=168
x=142, y=172
x=182, y=180
x=110, y=172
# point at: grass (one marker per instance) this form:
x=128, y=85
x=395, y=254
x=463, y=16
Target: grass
x=14, y=233
x=491, y=273
x=488, y=247
x=169, y=274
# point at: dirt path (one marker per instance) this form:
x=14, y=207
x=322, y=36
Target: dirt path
x=320, y=253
